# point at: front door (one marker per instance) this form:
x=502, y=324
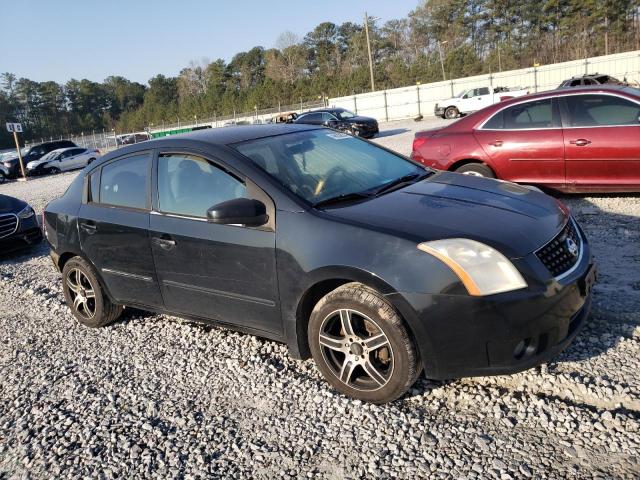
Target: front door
x=525, y=143
x=226, y=273
x=114, y=230
x=602, y=141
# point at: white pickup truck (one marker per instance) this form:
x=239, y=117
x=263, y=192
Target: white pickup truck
x=474, y=99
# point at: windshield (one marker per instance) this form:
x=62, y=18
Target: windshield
x=321, y=164
x=461, y=94
x=50, y=155
x=344, y=114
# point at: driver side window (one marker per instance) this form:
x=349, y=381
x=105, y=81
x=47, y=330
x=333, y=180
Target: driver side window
x=189, y=185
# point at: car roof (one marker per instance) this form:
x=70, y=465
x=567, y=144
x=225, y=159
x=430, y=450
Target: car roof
x=64, y=149
x=234, y=134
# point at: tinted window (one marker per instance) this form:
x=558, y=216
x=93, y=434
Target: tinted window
x=538, y=114
x=190, y=185
x=124, y=182
x=94, y=187
x=597, y=110
x=483, y=91
x=320, y=164
x=311, y=117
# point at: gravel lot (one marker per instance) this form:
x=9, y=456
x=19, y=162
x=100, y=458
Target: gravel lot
x=155, y=396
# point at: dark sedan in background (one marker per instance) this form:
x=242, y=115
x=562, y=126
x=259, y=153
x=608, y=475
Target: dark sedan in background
x=581, y=139
x=18, y=224
x=30, y=154
x=341, y=119
x=372, y=264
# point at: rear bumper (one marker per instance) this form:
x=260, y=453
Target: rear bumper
x=464, y=336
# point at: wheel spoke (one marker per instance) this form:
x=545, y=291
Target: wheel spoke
x=346, y=321
x=334, y=343
x=74, y=287
x=348, y=366
x=374, y=373
x=376, y=341
x=77, y=302
x=89, y=293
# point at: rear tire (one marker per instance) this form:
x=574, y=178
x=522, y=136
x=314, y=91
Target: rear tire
x=84, y=295
x=477, y=170
x=451, y=113
x=361, y=345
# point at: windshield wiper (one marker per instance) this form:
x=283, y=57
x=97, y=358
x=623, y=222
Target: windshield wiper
x=401, y=182
x=345, y=197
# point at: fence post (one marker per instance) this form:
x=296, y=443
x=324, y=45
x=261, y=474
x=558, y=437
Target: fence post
x=418, y=95
x=452, y=92
x=535, y=79
x=491, y=80
x=386, y=110
x=355, y=104
x=586, y=66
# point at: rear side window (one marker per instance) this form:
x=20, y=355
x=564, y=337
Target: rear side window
x=538, y=114
x=601, y=110
x=124, y=182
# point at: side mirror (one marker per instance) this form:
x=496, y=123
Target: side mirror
x=239, y=211
x=330, y=123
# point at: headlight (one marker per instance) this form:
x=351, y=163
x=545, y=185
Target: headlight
x=482, y=269
x=8, y=164
x=26, y=212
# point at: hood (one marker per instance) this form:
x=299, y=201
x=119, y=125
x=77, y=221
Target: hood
x=11, y=204
x=511, y=218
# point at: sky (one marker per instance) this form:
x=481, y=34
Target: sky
x=137, y=39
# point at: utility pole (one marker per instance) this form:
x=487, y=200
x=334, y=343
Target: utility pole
x=444, y=76
x=366, y=30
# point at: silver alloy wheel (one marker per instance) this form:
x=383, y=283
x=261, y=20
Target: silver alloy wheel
x=475, y=174
x=356, y=350
x=82, y=293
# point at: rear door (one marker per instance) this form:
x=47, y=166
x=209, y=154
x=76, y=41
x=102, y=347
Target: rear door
x=525, y=143
x=602, y=141
x=226, y=273
x=113, y=225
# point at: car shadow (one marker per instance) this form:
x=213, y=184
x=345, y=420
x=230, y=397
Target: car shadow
x=389, y=133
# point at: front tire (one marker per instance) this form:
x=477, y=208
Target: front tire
x=361, y=345
x=476, y=170
x=54, y=170
x=451, y=113
x=85, y=296
x=2, y=178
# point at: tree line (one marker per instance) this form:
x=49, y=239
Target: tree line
x=470, y=36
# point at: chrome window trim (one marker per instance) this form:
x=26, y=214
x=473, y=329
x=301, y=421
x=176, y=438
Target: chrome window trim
x=550, y=96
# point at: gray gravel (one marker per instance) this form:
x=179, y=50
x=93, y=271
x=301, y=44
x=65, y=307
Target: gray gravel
x=154, y=396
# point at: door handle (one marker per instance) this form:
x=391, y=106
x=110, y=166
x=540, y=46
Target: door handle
x=89, y=228
x=581, y=142
x=165, y=242
x=496, y=143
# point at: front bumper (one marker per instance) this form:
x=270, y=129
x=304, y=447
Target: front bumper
x=366, y=130
x=13, y=170
x=438, y=111
x=37, y=170
x=27, y=234
x=464, y=336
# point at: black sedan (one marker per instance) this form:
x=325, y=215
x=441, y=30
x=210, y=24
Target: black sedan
x=377, y=267
x=343, y=120
x=18, y=225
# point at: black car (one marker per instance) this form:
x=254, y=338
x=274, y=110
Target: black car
x=35, y=152
x=590, y=79
x=341, y=119
x=372, y=264
x=18, y=225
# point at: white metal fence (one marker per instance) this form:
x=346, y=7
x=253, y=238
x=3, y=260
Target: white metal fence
x=408, y=102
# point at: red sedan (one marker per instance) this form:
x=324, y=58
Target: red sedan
x=574, y=140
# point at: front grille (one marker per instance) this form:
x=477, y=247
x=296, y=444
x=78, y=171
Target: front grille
x=558, y=255
x=8, y=224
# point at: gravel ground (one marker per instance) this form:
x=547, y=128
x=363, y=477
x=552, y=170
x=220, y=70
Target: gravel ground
x=154, y=396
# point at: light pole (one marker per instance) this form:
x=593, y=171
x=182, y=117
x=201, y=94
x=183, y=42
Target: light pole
x=440, y=44
x=366, y=31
